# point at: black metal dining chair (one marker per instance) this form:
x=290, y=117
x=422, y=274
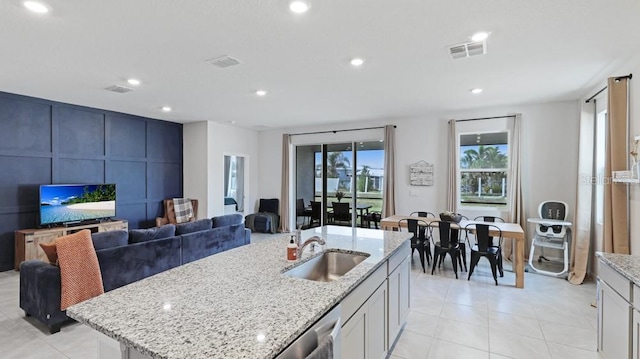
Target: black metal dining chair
x=423, y=214
x=418, y=241
x=448, y=243
x=493, y=219
x=427, y=233
x=485, y=248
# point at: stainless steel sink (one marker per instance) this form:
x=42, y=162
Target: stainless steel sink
x=327, y=267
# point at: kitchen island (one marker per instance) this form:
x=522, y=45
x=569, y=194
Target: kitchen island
x=235, y=304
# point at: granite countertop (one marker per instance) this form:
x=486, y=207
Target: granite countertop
x=625, y=264
x=235, y=304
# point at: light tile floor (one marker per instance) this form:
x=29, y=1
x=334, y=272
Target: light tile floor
x=449, y=318
x=457, y=318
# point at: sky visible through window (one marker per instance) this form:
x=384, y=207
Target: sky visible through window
x=371, y=158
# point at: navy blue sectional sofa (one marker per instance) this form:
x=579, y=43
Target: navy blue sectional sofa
x=126, y=257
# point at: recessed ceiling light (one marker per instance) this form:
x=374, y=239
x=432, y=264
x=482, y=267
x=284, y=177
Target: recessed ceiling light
x=299, y=7
x=476, y=91
x=37, y=7
x=134, y=82
x=166, y=108
x=479, y=36
x=357, y=62
x=261, y=92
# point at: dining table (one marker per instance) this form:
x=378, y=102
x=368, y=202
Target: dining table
x=509, y=230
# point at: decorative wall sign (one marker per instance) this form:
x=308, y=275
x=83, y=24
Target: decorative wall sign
x=421, y=174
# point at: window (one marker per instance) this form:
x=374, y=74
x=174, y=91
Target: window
x=369, y=173
x=484, y=166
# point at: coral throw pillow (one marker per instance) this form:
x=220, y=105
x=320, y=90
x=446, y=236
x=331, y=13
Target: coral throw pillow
x=79, y=269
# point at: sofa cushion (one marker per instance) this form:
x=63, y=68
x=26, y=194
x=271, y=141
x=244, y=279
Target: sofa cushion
x=127, y=264
x=226, y=220
x=110, y=239
x=195, y=226
x=143, y=235
x=202, y=244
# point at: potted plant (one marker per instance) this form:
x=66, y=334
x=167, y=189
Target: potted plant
x=339, y=195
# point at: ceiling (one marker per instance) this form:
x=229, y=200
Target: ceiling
x=538, y=51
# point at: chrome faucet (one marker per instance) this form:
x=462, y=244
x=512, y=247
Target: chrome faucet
x=314, y=239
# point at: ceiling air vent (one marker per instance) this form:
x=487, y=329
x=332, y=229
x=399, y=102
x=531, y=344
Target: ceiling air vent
x=119, y=89
x=223, y=61
x=468, y=49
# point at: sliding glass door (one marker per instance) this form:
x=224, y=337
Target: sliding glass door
x=369, y=182
x=338, y=199
x=325, y=177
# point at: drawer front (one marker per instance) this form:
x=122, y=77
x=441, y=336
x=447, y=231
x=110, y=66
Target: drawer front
x=636, y=296
x=616, y=281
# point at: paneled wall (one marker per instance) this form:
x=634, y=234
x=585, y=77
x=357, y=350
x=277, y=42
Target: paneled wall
x=44, y=142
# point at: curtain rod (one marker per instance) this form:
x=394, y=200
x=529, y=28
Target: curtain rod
x=629, y=76
x=336, y=131
x=485, y=118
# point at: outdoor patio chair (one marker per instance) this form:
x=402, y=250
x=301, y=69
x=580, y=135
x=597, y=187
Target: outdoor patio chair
x=341, y=213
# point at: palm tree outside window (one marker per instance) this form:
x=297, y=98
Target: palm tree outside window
x=484, y=168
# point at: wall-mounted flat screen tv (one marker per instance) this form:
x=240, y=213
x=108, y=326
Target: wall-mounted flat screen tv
x=73, y=203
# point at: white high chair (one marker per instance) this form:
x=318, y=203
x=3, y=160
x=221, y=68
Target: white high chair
x=552, y=231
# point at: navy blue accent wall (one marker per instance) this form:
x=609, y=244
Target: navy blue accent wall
x=44, y=142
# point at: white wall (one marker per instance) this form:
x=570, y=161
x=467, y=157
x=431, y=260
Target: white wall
x=208, y=142
x=195, y=158
x=549, y=144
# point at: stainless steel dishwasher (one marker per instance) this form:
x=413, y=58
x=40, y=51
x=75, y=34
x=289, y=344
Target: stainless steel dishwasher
x=329, y=324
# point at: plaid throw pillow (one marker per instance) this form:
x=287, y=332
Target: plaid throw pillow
x=183, y=209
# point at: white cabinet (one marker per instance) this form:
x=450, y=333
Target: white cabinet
x=375, y=311
x=354, y=335
x=365, y=334
x=618, y=321
x=377, y=324
x=398, y=299
x=614, y=315
x=635, y=331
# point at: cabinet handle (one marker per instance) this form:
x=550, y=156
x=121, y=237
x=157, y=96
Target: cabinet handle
x=30, y=241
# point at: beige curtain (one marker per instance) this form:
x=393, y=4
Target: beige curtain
x=582, y=220
x=616, y=211
x=452, y=169
x=284, y=189
x=389, y=194
x=516, y=210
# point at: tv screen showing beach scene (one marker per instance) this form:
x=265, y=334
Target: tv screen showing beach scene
x=76, y=203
